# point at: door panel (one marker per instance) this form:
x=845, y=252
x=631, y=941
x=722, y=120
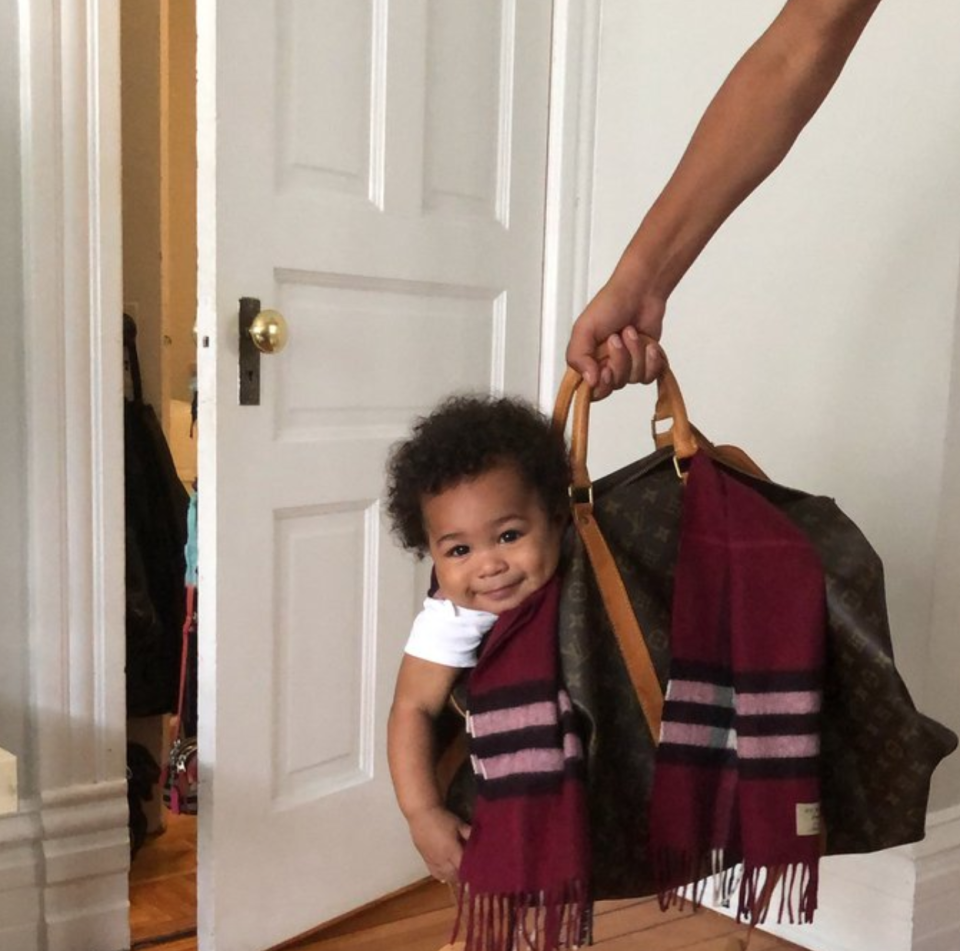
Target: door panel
x=375, y=171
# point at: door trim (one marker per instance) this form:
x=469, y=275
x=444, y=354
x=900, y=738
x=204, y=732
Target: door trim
x=75, y=782
x=575, y=49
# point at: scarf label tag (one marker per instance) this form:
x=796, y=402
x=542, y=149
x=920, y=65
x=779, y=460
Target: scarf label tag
x=808, y=818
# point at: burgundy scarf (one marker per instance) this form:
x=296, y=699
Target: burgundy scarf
x=737, y=769
x=523, y=878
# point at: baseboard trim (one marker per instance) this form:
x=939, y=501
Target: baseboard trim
x=20, y=874
x=866, y=904
x=88, y=914
x=64, y=867
x=901, y=899
x=936, y=912
x=86, y=866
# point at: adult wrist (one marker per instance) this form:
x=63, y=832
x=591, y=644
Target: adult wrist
x=637, y=283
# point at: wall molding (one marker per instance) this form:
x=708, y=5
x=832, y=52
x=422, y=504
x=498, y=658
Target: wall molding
x=64, y=858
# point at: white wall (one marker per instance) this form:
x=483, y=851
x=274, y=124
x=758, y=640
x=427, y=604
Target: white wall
x=13, y=635
x=817, y=329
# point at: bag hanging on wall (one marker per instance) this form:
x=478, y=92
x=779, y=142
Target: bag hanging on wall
x=877, y=752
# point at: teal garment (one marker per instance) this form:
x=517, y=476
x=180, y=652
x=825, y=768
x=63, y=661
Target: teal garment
x=190, y=549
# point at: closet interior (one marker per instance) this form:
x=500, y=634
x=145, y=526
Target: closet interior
x=158, y=89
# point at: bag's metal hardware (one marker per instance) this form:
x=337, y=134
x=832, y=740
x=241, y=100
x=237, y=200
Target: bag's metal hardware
x=676, y=465
x=581, y=494
x=653, y=426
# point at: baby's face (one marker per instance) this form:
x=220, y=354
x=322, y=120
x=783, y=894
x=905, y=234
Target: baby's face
x=491, y=541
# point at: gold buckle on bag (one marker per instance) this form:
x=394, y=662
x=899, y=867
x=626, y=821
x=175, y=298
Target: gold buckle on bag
x=580, y=494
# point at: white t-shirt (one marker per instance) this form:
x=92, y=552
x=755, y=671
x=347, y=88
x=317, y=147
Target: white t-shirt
x=447, y=634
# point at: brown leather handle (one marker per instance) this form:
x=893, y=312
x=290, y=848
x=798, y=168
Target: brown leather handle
x=670, y=406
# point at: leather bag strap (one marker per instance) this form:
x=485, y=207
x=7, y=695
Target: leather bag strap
x=616, y=601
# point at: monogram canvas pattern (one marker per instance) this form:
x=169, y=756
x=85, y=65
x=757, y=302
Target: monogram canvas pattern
x=877, y=751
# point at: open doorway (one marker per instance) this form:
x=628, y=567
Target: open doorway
x=158, y=88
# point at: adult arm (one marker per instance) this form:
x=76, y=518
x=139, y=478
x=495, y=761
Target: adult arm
x=748, y=128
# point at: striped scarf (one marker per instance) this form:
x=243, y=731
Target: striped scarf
x=523, y=878
x=737, y=769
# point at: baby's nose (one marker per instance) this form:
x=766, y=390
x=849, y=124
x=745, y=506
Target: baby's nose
x=493, y=562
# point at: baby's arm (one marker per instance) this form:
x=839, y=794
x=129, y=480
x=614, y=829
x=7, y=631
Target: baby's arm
x=421, y=692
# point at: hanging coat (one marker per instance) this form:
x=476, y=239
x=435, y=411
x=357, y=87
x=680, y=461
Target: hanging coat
x=156, y=519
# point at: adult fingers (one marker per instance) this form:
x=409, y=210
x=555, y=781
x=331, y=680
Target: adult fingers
x=619, y=362
x=580, y=353
x=646, y=358
x=655, y=363
x=636, y=348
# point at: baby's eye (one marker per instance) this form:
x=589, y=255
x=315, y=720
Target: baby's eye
x=511, y=535
x=458, y=551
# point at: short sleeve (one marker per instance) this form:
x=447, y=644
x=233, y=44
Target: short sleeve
x=444, y=633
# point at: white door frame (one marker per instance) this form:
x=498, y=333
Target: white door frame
x=566, y=257
x=64, y=857
x=72, y=827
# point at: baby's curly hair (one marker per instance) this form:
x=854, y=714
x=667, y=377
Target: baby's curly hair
x=462, y=438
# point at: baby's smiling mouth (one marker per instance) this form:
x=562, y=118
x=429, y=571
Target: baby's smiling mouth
x=501, y=593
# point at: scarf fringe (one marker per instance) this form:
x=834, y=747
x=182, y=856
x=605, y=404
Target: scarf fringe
x=557, y=920
x=755, y=885
x=692, y=869
x=797, y=882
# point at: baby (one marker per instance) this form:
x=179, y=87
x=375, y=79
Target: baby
x=482, y=487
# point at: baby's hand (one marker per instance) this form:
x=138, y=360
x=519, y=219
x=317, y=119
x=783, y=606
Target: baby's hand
x=439, y=836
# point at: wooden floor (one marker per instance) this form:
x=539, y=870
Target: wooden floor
x=163, y=885
x=163, y=909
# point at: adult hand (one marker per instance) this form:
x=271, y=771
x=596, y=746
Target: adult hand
x=616, y=317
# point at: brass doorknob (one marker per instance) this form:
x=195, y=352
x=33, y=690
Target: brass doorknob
x=269, y=332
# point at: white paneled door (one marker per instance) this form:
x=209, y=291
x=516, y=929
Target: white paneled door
x=375, y=171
